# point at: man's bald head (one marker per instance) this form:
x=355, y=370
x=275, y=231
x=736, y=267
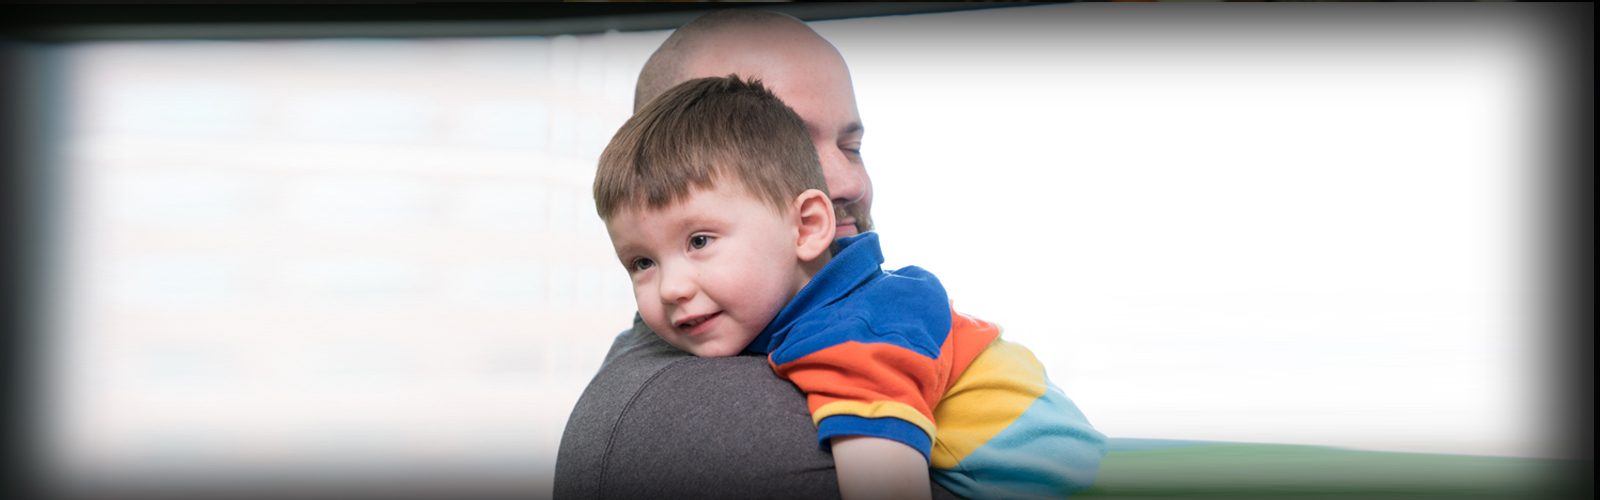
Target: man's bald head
x=799, y=67
x=670, y=64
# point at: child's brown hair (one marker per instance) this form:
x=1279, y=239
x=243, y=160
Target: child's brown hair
x=705, y=131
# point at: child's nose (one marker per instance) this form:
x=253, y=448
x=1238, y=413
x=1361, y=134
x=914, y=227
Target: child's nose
x=676, y=286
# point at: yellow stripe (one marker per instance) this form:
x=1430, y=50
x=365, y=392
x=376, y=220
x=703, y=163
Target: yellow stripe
x=876, y=409
x=1002, y=382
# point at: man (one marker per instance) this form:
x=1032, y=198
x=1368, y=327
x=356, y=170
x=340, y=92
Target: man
x=657, y=422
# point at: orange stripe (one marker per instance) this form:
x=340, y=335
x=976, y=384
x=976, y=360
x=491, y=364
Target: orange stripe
x=854, y=371
x=968, y=338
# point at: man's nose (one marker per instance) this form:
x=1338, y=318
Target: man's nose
x=845, y=182
x=677, y=285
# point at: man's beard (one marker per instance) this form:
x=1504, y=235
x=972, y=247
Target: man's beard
x=856, y=211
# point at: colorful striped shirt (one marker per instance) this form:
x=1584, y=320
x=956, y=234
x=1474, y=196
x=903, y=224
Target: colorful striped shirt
x=883, y=354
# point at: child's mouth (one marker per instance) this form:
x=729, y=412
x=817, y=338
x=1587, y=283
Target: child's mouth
x=694, y=322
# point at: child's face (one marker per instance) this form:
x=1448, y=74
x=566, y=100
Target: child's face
x=711, y=271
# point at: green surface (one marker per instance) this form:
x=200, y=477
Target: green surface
x=1261, y=471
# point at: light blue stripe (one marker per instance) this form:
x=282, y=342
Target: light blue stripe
x=1051, y=451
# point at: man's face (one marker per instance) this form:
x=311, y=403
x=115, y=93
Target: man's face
x=808, y=75
x=710, y=272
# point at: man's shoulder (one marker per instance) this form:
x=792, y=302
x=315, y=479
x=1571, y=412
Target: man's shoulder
x=639, y=345
x=656, y=421
x=638, y=354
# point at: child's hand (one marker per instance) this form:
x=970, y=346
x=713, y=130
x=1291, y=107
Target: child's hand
x=879, y=469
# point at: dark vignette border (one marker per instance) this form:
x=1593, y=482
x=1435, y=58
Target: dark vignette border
x=30, y=120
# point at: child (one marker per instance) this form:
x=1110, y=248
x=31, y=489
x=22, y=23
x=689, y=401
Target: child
x=717, y=206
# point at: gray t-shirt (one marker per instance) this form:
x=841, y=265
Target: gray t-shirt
x=657, y=422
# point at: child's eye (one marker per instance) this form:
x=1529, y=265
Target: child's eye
x=699, y=242
x=641, y=264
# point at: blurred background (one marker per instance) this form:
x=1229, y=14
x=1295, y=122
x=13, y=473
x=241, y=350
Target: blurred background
x=373, y=259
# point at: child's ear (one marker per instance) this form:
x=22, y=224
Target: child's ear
x=815, y=212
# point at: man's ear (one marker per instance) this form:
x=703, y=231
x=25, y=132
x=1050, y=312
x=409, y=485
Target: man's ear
x=815, y=212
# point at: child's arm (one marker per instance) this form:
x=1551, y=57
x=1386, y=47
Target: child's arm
x=873, y=468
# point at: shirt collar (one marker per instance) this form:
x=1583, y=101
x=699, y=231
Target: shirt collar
x=856, y=260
